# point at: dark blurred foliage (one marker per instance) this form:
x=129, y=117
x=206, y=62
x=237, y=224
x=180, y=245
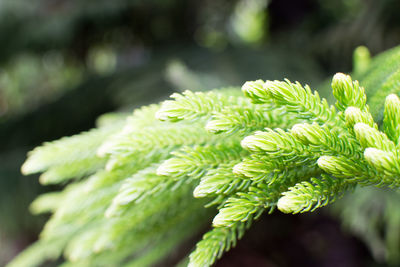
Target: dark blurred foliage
x=330, y=30
x=63, y=63
x=312, y=240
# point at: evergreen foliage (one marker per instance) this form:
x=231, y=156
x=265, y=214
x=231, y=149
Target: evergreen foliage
x=277, y=146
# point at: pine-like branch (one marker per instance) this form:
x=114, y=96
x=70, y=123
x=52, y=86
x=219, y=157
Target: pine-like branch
x=391, y=118
x=348, y=93
x=195, y=161
x=281, y=147
x=215, y=243
x=308, y=196
x=248, y=119
x=220, y=181
x=294, y=97
x=190, y=106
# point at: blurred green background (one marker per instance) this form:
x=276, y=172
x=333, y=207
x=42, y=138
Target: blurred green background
x=64, y=63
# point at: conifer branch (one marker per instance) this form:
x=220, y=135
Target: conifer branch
x=370, y=137
x=391, y=118
x=144, y=183
x=308, y=196
x=332, y=141
x=142, y=187
x=75, y=170
x=294, y=97
x=384, y=162
x=68, y=150
x=354, y=115
x=273, y=142
x=215, y=243
x=348, y=93
x=189, y=105
x=195, y=161
x=220, y=181
x=342, y=167
x=249, y=119
x=48, y=202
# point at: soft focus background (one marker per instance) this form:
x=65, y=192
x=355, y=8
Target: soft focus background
x=65, y=62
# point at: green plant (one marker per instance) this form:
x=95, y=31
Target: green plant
x=130, y=185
